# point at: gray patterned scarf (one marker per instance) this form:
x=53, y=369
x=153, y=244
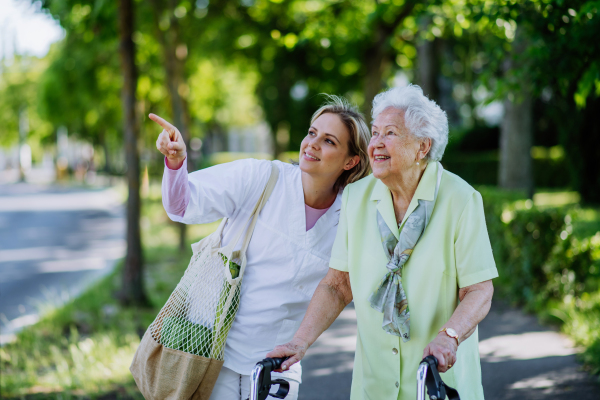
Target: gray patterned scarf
x=389, y=298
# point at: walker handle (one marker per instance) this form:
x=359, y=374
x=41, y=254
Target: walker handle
x=276, y=362
x=260, y=380
x=428, y=375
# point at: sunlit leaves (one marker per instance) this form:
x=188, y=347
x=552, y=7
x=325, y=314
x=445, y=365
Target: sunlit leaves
x=588, y=84
x=18, y=93
x=223, y=93
x=290, y=40
x=245, y=41
x=350, y=67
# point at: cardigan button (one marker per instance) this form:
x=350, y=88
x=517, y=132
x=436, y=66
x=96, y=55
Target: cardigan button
x=397, y=384
x=394, y=351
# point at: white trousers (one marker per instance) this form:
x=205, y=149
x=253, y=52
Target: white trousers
x=233, y=386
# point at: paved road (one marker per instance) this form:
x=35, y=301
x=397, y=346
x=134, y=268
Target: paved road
x=520, y=360
x=53, y=242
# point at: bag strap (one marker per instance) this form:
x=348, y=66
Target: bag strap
x=261, y=203
x=257, y=208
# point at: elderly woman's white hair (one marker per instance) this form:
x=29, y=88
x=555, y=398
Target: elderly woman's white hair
x=423, y=117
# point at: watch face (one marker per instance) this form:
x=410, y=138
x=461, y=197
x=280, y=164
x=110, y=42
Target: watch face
x=452, y=332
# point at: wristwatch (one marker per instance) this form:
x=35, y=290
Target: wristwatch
x=452, y=333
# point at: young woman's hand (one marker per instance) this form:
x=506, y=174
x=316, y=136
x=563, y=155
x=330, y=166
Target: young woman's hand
x=170, y=143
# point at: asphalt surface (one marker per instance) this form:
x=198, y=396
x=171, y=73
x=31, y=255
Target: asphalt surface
x=53, y=242
x=520, y=359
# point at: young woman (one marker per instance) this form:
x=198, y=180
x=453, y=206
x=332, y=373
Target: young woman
x=291, y=245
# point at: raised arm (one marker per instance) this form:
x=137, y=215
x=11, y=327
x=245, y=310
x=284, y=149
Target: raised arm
x=328, y=301
x=209, y=194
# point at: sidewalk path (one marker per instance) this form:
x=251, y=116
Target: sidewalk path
x=520, y=360
x=53, y=242
x=526, y=361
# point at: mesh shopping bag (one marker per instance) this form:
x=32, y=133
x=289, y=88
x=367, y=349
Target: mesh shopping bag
x=181, y=353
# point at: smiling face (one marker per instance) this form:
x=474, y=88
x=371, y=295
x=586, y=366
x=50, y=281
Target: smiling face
x=325, y=149
x=393, y=150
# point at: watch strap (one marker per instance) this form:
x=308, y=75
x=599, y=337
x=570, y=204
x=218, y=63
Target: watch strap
x=445, y=330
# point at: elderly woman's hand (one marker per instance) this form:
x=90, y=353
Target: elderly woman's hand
x=295, y=350
x=444, y=349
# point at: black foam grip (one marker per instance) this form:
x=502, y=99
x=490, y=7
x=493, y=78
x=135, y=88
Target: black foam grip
x=276, y=362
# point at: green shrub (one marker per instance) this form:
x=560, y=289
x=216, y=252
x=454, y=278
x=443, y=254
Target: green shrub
x=574, y=267
x=548, y=258
x=537, y=250
x=531, y=237
x=582, y=322
x=481, y=167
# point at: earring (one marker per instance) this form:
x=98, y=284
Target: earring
x=418, y=163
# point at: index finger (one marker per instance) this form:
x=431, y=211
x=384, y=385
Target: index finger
x=167, y=126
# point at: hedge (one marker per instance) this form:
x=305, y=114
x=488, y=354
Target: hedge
x=548, y=259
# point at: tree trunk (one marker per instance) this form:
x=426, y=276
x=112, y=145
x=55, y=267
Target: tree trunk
x=428, y=64
x=107, y=163
x=375, y=60
x=428, y=69
x=515, y=170
x=133, y=284
x=516, y=135
x=23, y=131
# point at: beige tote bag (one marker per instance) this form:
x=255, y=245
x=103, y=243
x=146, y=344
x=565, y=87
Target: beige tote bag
x=181, y=353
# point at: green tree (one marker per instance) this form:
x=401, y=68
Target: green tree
x=18, y=92
x=527, y=54
x=80, y=87
x=566, y=72
x=305, y=48
x=560, y=66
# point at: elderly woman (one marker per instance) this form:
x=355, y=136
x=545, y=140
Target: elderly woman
x=412, y=251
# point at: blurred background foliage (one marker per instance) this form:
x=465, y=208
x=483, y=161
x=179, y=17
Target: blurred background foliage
x=240, y=63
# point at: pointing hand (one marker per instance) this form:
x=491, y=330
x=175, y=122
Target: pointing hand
x=170, y=143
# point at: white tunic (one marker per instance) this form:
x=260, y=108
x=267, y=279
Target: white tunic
x=285, y=263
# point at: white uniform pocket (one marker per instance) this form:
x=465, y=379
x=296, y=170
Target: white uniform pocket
x=287, y=331
x=312, y=270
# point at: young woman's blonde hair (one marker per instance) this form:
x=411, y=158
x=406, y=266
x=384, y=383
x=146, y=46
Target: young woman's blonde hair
x=360, y=135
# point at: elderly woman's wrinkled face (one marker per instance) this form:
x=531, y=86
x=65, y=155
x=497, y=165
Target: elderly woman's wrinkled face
x=393, y=149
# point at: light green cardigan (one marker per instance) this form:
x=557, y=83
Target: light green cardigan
x=453, y=252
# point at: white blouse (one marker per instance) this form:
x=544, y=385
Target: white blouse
x=285, y=262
